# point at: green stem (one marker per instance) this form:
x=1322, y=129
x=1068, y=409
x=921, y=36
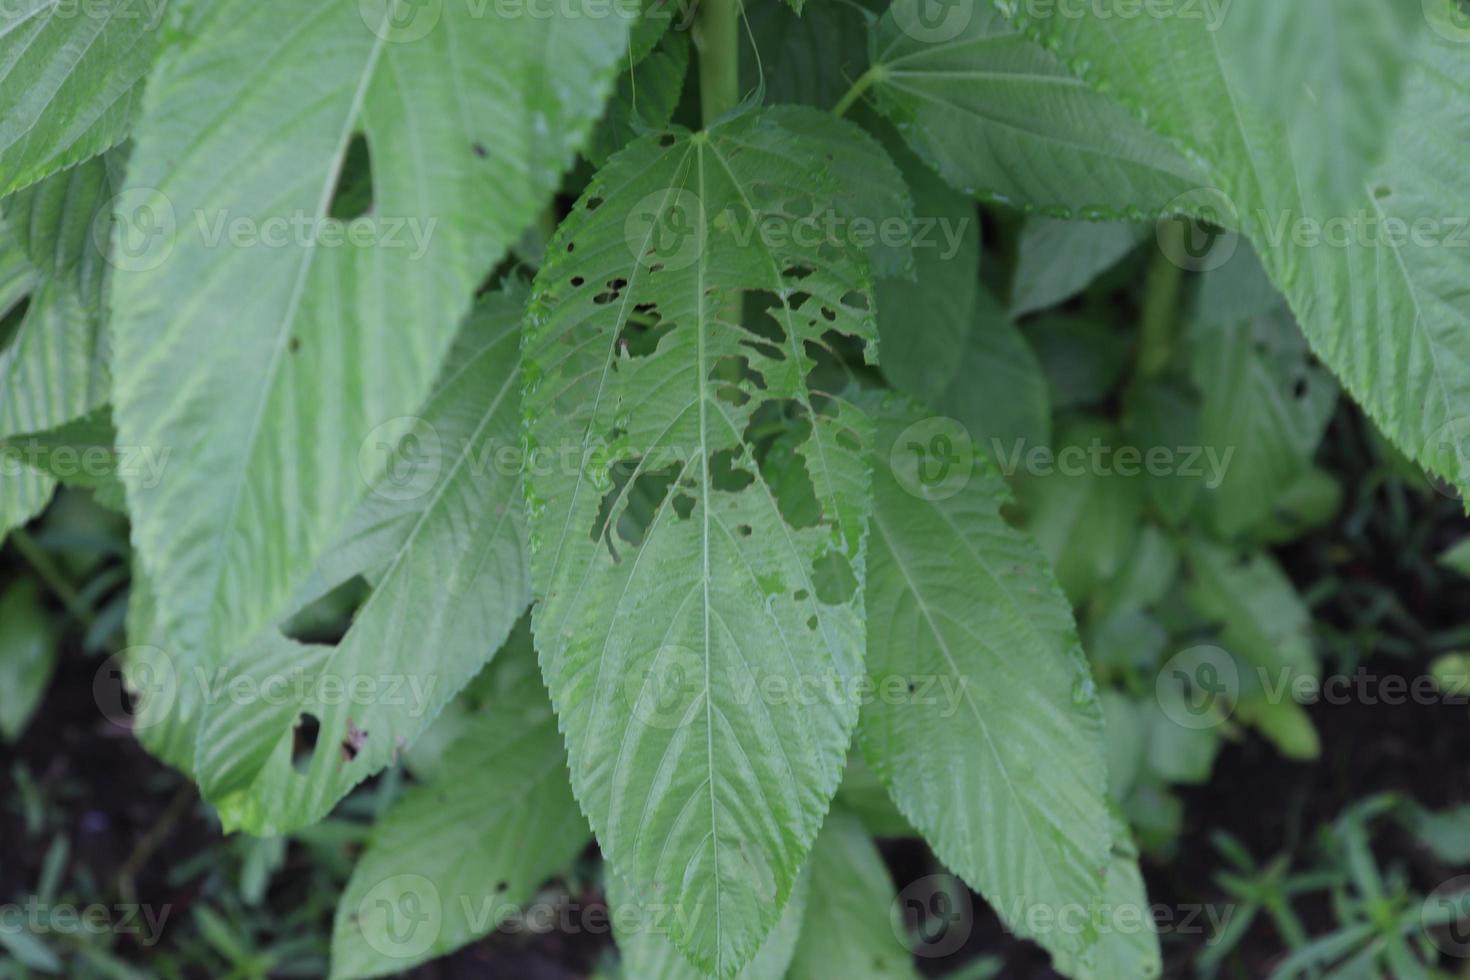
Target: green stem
x=1160, y=303
x=717, y=36
x=47, y=571
x=864, y=82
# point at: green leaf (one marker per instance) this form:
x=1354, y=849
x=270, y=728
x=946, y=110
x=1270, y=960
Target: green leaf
x=71, y=78
x=925, y=320
x=453, y=858
x=1338, y=92
x=1176, y=753
x=1084, y=359
x=321, y=337
x=964, y=609
x=1083, y=511
x=808, y=58
x=1165, y=415
x=1127, y=745
x=82, y=453
x=863, y=794
x=24, y=493
x=655, y=18
x=1129, y=947
x=998, y=390
x=849, y=929
x=1056, y=260
x=1266, y=407
x=647, y=953
x=1382, y=305
x=27, y=656
x=1285, y=723
x=168, y=698
x=1002, y=119
x=30, y=950
x=645, y=98
x=1309, y=503
x=677, y=586
x=1146, y=577
x=442, y=540
x=1265, y=621
x=1457, y=557
x=54, y=368
x=1446, y=833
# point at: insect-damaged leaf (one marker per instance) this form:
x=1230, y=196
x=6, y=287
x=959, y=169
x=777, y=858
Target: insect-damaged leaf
x=698, y=489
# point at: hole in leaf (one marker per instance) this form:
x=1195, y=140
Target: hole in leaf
x=642, y=331
x=353, y=195
x=776, y=429
x=833, y=578
x=629, y=510
x=728, y=473
x=594, y=202
x=11, y=321
x=325, y=621
x=303, y=741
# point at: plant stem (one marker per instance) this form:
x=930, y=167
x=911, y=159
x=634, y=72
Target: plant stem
x=1160, y=304
x=717, y=36
x=47, y=571
x=864, y=82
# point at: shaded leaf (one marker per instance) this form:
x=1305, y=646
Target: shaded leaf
x=454, y=858
x=964, y=608
x=228, y=228
x=442, y=540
